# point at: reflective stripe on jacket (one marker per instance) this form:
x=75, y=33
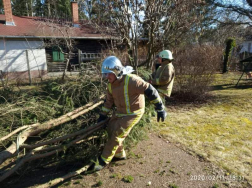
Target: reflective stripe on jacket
x=164, y=78
x=127, y=94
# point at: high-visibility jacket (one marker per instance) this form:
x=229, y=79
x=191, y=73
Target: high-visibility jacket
x=127, y=94
x=164, y=78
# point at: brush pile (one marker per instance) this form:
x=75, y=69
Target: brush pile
x=54, y=124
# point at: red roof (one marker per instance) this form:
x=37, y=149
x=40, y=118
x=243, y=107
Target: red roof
x=45, y=28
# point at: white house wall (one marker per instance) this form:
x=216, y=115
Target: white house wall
x=246, y=47
x=13, y=56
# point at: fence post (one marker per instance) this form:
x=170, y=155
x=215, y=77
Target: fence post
x=28, y=66
x=1, y=76
x=79, y=57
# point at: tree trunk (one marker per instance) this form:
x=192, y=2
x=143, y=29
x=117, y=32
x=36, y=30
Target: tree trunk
x=65, y=70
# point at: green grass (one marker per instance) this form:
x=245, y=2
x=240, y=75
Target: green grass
x=173, y=186
x=220, y=130
x=113, y=176
x=99, y=183
x=128, y=179
x=215, y=186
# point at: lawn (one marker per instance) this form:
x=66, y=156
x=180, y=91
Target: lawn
x=219, y=130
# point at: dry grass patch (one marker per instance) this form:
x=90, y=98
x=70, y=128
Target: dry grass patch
x=220, y=130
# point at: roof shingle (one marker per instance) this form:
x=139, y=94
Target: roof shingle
x=45, y=28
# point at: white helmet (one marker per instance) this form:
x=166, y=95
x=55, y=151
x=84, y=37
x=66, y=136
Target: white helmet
x=165, y=54
x=112, y=65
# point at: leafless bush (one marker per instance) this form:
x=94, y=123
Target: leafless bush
x=195, y=66
x=235, y=64
x=120, y=54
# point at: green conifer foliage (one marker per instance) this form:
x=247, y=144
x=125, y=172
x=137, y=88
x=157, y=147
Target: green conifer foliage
x=230, y=44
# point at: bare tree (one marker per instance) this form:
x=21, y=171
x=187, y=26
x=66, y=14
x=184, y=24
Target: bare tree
x=167, y=23
x=60, y=34
x=159, y=24
x=233, y=19
x=238, y=12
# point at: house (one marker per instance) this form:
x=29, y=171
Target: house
x=245, y=49
x=26, y=47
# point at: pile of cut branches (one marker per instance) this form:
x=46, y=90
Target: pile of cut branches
x=47, y=121
x=46, y=148
x=56, y=122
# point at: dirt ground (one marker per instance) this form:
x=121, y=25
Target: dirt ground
x=154, y=162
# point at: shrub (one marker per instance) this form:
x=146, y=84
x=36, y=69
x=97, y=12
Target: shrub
x=230, y=44
x=195, y=66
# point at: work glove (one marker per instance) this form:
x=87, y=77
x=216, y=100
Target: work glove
x=102, y=118
x=161, y=114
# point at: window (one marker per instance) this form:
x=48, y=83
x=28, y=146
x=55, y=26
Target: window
x=57, y=55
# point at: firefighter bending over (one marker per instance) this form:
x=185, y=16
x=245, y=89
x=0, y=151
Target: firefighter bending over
x=127, y=92
x=163, y=78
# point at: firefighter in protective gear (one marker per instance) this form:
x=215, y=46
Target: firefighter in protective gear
x=127, y=92
x=163, y=78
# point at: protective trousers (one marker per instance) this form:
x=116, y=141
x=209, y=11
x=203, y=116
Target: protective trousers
x=118, y=129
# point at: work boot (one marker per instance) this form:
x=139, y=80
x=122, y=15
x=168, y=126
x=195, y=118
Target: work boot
x=120, y=156
x=97, y=165
x=118, y=159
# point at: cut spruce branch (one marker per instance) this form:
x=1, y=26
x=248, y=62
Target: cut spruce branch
x=18, y=130
x=75, y=112
x=46, y=149
x=57, y=139
x=12, y=150
x=33, y=156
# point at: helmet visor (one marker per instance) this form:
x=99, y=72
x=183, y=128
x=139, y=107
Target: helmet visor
x=105, y=75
